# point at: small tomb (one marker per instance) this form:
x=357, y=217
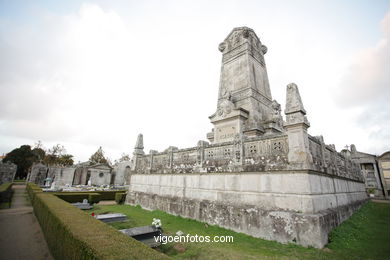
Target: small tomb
x=145, y=234
x=112, y=217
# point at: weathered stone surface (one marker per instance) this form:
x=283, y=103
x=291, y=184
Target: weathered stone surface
x=139, y=146
x=145, y=234
x=260, y=175
x=279, y=225
x=303, y=191
x=245, y=104
x=370, y=168
x=82, y=205
x=113, y=217
x=38, y=173
x=384, y=170
x=7, y=172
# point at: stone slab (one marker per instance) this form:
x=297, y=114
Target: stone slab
x=306, y=229
x=83, y=206
x=112, y=217
x=145, y=234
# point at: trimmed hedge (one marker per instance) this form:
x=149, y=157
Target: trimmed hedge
x=120, y=197
x=73, y=234
x=94, y=198
x=110, y=194
x=32, y=190
x=73, y=197
x=6, y=192
x=104, y=195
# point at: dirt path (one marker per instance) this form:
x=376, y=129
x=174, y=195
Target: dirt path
x=21, y=236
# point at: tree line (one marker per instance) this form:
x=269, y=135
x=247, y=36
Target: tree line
x=25, y=156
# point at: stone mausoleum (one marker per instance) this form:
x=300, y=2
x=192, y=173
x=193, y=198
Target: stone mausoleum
x=80, y=174
x=372, y=170
x=260, y=173
x=7, y=172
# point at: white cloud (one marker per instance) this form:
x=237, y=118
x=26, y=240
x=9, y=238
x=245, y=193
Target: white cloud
x=99, y=76
x=366, y=85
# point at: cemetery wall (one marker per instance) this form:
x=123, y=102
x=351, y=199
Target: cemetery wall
x=254, y=186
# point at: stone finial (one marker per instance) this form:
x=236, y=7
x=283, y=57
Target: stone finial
x=139, y=146
x=264, y=49
x=353, y=149
x=202, y=143
x=299, y=155
x=293, y=100
x=295, y=112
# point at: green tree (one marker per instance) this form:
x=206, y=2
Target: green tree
x=24, y=158
x=98, y=157
x=57, y=156
x=65, y=160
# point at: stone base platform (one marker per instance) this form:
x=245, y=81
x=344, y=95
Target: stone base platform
x=306, y=229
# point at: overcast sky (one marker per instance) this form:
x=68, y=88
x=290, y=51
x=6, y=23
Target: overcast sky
x=97, y=73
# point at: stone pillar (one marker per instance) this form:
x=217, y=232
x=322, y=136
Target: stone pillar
x=152, y=153
x=323, y=160
x=138, y=151
x=296, y=126
x=169, y=151
x=200, y=152
x=238, y=150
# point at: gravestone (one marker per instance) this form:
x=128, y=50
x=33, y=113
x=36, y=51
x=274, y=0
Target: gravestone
x=82, y=205
x=145, y=234
x=112, y=217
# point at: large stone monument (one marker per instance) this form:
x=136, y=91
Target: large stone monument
x=245, y=104
x=259, y=174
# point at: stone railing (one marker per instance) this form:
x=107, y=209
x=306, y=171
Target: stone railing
x=326, y=159
x=249, y=155
x=259, y=154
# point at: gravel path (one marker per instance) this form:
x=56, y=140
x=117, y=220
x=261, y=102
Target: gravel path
x=21, y=236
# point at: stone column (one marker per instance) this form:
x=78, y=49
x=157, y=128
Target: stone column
x=323, y=153
x=200, y=152
x=299, y=156
x=138, y=151
x=152, y=153
x=238, y=150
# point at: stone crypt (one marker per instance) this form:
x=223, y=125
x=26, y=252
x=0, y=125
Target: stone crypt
x=259, y=174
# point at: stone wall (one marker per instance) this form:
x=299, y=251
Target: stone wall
x=65, y=176
x=99, y=174
x=38, y=173
x=311, y=192
x=384, y=169
x=7, y=172
x=259, y=174
x=265, y=153
x=327, y=160
x=279, y=225
x=242, y=155
x=122, y=172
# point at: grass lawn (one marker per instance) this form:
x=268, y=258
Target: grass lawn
x=366, y=235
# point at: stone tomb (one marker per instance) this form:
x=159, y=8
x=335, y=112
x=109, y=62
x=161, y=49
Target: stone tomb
x=260, y=173
x=7, y=172
x=145, y=234
x=112, y=217
x=83, y=205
